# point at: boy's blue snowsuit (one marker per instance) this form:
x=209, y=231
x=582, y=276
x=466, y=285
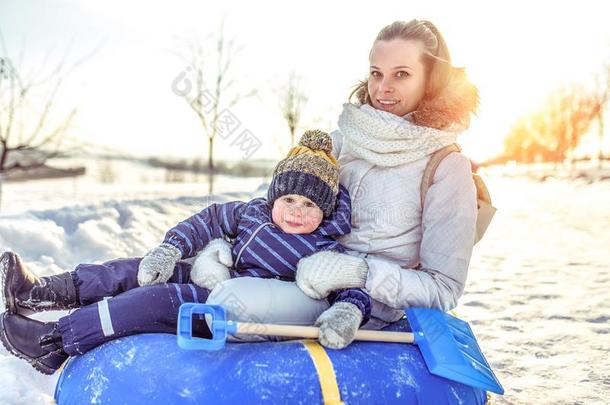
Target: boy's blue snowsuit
x=114, y=305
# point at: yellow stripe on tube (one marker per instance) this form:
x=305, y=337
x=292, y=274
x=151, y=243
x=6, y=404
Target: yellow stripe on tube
x=326, y=373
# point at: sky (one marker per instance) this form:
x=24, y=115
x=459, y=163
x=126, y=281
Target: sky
x=515, y=52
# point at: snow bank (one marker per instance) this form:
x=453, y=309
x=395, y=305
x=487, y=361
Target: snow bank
x=55, y=240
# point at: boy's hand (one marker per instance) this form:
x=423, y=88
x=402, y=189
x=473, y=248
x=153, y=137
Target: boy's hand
x=158, y=264
x=339, y=324
x=321, y=273
x=212, y=264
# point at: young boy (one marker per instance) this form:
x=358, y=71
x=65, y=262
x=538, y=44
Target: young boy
x=304, y=209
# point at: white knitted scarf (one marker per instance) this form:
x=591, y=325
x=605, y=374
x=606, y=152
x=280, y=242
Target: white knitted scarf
x=385, y=139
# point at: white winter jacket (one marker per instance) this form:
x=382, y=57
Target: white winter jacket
x=414, y=260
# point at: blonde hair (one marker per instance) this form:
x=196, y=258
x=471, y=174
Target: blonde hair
x=436, y=59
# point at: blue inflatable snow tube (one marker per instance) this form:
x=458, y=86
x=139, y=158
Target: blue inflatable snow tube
x=152, y=369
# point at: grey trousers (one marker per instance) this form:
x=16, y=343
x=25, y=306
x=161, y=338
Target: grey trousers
x=260, y=300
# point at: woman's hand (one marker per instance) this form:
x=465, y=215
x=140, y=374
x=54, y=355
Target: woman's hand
x=339, y=324
x=212, y=264
x=323, y=272
x=157, y=266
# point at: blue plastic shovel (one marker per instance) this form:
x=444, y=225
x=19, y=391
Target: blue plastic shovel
x=447, y=344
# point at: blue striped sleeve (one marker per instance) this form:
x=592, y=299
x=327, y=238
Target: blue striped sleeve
x=215, y=221
x=341, y=221
x=355, y=296
x=330, y=244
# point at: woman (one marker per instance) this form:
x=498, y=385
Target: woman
x=405, y=255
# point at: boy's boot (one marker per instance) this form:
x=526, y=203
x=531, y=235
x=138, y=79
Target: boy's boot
x=38, y=343
x=25, y=293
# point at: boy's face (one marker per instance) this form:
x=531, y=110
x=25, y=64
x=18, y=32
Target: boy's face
x=294, y=213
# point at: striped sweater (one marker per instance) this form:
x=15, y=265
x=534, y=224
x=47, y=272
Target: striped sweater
x=261, y=248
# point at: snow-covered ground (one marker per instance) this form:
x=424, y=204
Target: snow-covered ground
x=536, y=295
x=537, y=292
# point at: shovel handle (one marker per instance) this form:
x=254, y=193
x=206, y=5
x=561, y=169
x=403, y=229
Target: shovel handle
x=312, y=332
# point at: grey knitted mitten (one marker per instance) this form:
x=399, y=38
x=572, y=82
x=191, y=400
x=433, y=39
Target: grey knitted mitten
x=323, y=272
x=158, y=264
x=339, y=324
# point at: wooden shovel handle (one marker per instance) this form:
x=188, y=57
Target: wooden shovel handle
x=312, y=332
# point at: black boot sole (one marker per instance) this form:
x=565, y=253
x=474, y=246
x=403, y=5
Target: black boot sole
x=33, y=362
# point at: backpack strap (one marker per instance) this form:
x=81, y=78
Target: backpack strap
x=485, y=211
x=436, y=159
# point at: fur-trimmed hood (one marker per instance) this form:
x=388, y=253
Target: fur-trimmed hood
x=452, y=107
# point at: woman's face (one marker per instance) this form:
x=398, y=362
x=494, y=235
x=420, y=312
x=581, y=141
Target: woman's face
x=294, y=213
x=397, y=80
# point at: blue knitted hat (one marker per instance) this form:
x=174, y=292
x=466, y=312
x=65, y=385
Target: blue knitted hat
x=309, y=170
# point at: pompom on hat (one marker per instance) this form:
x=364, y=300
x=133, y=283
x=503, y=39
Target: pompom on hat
x=309, y=170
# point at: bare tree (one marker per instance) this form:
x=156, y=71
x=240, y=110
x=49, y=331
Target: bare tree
x=211, y=95
x=524, y=140
x=292, y=100
x=29, y=136
x=553, y=132
x=602, y=86
x=577, y=109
